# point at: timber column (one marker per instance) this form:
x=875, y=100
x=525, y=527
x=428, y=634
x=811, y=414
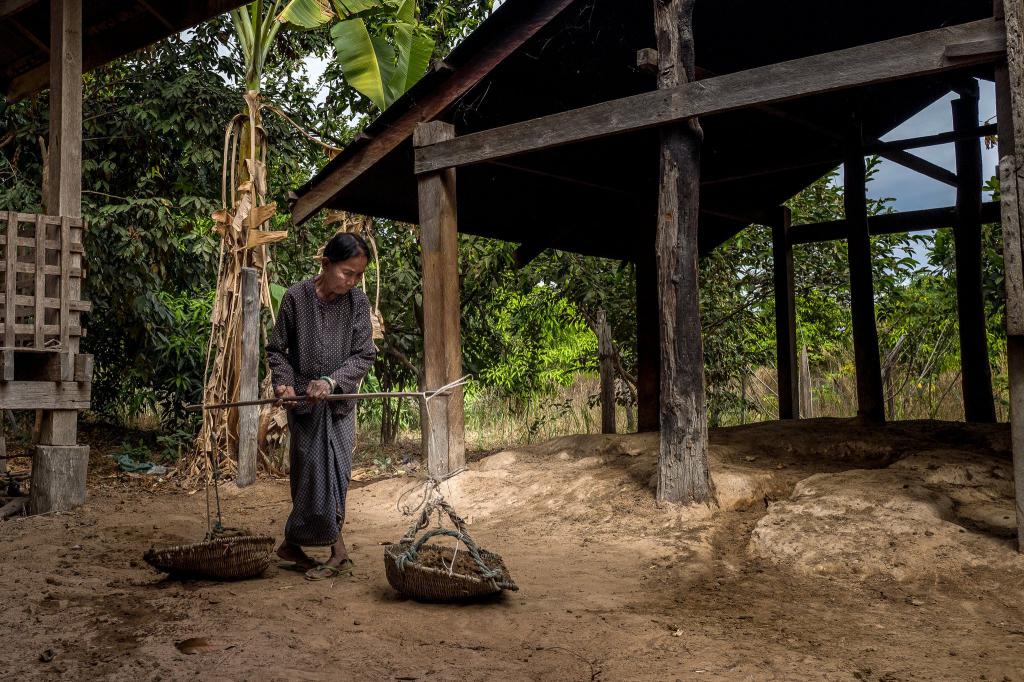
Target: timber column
x=1010, y=117
x=975, y=373
x=444, y=440
x=683, y=473
x=862, y=290
x=59, y=466
x=785, y=316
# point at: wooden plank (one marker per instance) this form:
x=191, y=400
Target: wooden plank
x=870, y=404
x=65, y=287
x=785, y=316
x=30, y=268
x=9, y=7
x=975, y=374
x=606, y=367
x=919, y=165
x=683, y=471
x=65, y=149
x=968, y=133
x=891, y=223
x=248, y=380
x=51, y=303
x=49, y=244
x=58, y=478
x=40, y=285
x=48, y=329
x=443, y=440
x=45, y=395
x=648, y=347
x=83, y=367
x=10, y=335
x=907, y=57
x=49, y=219
x=425, y=107
x=6, y=365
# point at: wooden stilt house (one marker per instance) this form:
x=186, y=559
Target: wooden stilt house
x=654, y=131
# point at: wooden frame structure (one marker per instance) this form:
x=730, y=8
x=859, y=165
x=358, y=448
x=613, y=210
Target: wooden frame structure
x=50, y=43
x=737, y=131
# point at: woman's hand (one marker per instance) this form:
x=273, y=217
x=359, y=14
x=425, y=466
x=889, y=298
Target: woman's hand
x=286, y=392
x=317, y=390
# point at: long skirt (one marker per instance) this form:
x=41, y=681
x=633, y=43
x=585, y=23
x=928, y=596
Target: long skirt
x=321, y=466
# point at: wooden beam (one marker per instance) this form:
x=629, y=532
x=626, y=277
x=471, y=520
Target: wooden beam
x=9, y=7
x=785, y=316
x=44, y=395
x=968, y=133
x=890, y=223
x=156, y=15
x=912, y=56
x=683, y=471
x=430, y=106
x=862, y=293
x=648, y=353
x=975, y=374
x=443, y=429
x=248, y=380
x=919, y=165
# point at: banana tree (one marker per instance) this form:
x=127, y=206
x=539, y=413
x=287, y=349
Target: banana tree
x=380, y=45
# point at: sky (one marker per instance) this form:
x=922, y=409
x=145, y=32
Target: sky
x=915, y=191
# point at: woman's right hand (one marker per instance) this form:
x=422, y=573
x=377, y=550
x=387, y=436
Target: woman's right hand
x=286, y=392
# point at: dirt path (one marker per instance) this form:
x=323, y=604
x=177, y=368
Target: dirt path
x=613, y=588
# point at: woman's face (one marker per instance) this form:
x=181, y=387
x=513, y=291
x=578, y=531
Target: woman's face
x=339, y=277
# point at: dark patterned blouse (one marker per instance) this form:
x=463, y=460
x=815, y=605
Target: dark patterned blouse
x=314, y=338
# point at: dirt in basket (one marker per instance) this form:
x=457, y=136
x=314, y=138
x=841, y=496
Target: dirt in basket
x=434, y=556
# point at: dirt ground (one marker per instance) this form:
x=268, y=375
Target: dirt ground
x=839, y=552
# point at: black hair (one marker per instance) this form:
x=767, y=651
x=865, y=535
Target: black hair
x=345, y=245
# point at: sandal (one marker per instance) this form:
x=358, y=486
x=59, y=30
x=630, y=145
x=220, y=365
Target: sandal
x=325, y=571
x=298, y=566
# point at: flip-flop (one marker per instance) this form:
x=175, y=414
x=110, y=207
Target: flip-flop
x=325, y=572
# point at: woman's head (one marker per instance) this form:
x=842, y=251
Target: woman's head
x=343, y=262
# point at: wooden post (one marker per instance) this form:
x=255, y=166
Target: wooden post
x=806, y=400
x=59, y=468
x=648, y=348
x=1009, y=78
x=444, y=427
x=785, y=316
x=606, y=357
x=976, y=375
x=870, y=404
x=683, y=473
x=248, y=381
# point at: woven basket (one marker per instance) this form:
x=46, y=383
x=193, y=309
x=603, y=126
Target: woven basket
x=224, y=558
x=412, y=578
x=431, y=584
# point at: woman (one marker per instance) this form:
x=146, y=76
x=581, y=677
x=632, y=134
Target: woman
x=322, y=344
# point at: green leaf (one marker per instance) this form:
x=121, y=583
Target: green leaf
x=349, y=8
x=414, y=51
x=306, y=13
x=276, y=295
x=368, y=62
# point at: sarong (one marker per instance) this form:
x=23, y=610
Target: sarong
x=321, y=467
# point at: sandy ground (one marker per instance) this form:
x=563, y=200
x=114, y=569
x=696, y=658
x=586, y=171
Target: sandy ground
x=839, y=553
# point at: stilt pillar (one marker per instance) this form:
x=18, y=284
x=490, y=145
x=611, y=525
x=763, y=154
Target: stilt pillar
x=683, y=473
x=1009, y=78
x=648, y=348
x=443, y=428
x=862, y=291
x=785, y=316
x=59, y=467
x=975, y=374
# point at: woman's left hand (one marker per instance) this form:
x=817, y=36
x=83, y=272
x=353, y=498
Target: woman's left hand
x=317, y=390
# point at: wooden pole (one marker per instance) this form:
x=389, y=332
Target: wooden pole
x=785, y=316
x=648, y=347
x=806, y=400
x=1009, y=78
x=683, y=472
x=59, y=469
x=976, y=374
x=606, y=357
x=444, y=424
x=248, y=380
x=870, y=404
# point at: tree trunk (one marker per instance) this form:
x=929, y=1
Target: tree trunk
x=683, y=472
